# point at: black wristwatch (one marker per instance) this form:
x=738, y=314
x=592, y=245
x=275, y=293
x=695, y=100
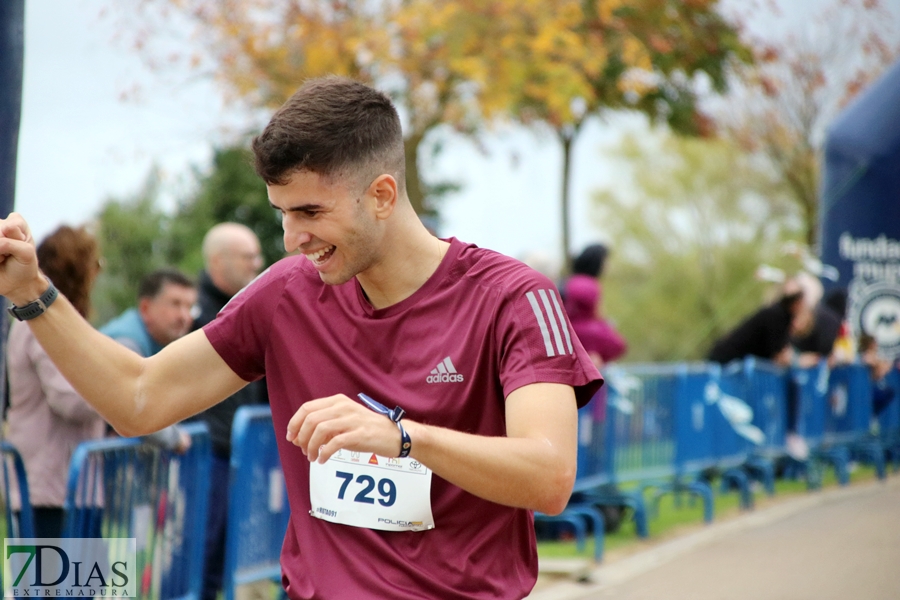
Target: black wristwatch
x=36, y=308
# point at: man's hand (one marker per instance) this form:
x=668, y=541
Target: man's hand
x=20, y=279
x=321, y=427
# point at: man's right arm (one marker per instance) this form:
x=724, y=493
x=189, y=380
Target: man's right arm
x=135, y=395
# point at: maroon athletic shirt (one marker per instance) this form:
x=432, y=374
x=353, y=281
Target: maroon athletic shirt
x=482, y=326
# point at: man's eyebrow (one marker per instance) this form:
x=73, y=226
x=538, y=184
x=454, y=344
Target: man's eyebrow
x=301, y=208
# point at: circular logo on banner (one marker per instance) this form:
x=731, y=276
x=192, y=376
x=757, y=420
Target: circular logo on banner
x=877, y=313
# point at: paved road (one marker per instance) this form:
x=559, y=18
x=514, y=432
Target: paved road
x=841, y=544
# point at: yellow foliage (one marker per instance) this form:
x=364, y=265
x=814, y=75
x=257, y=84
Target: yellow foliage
x=454, y=61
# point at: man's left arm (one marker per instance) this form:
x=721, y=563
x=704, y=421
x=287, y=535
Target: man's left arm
x=532, y=467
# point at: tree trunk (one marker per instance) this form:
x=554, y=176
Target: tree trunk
x=414, y=186
x=566, y=139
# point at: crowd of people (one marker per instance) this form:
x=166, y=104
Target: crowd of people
x=802, y=328
x=46, y=418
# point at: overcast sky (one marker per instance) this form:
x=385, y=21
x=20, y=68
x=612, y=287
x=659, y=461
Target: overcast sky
x=80, y=143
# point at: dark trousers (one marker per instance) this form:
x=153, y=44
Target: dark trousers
x=214, y=552
x=48, y=522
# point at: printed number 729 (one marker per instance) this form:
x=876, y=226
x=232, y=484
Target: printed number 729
x=386, y=489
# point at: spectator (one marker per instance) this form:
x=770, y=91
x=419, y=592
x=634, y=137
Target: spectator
x=582, y=295
x=766, y=333
x=844, y=350
x=47, y=417
x=818, y=341
x=231, y=255
x=882, y=392
x=163, y=314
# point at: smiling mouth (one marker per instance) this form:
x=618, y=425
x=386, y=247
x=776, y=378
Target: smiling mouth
x=321, y=256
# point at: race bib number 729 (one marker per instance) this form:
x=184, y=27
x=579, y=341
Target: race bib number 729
x=372, y=491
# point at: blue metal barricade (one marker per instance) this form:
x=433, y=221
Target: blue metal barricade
x=816, y=420
x=694, y=436
x=128, y=488
x=641, y=420
x=810, y=390
x=19, y=516
x=641, y=417
x=888, y=393
x=848, y=404
x=258, y=509
x=851, y=417
x=733, y=426
x=594, y=448
x=767, y=394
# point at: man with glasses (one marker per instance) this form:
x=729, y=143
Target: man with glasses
x=232, y=259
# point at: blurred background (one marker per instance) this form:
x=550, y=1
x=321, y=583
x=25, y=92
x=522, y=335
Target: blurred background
x=685, y=136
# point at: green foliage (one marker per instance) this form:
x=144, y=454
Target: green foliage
x=132, y=240
x=137, y=237
x=688, y=233
x=231, y=191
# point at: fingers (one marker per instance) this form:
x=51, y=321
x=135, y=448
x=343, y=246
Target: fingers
x=16, y=240
x=300, y=416
x=14, y=227
x=322, y=427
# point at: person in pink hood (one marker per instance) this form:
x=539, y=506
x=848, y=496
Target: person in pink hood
x=582, y=300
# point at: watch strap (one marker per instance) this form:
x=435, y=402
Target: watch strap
x=37, y=307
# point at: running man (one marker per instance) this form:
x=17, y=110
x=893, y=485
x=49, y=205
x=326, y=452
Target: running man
x=432, y=499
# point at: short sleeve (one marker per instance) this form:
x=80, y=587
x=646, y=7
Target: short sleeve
x=240, y=330
x=537, y=342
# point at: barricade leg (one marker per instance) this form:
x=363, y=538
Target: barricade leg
x=596, y=518
x=737, y=477
x=575, y=520
x=697, y=487
x=762, y=469
x=633, y=500
x=871, y=452
x=838, y=457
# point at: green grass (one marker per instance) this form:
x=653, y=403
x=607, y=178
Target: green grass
x=677, y=516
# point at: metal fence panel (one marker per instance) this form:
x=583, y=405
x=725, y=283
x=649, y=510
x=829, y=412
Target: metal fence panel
x=848, y=406
x=17, y=505
x=123, y=488
x=810, y=391
x=258, y=509
x=694, y=435
x=640, y=417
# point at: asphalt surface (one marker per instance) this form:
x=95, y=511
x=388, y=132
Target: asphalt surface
x=837, y=544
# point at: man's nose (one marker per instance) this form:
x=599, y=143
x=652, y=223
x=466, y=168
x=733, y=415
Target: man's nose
x=293, y=239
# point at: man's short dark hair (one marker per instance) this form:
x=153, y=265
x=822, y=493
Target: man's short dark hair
x=152, y=284
x=335, y=127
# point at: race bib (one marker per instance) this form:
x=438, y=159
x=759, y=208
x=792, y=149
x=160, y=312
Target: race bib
x=367, y=490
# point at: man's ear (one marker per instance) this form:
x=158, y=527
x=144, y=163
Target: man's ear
x=384, y=190
x=143, y=306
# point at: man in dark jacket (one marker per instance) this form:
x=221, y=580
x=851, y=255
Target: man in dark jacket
x=231, y=254
x=767, y=332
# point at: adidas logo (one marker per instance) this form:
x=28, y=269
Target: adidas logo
x=444, y=372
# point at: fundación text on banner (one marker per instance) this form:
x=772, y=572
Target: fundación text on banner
x=69, y=568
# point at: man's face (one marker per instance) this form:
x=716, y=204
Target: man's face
x=167, y=316
x=241, y=262
x=332, y=226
